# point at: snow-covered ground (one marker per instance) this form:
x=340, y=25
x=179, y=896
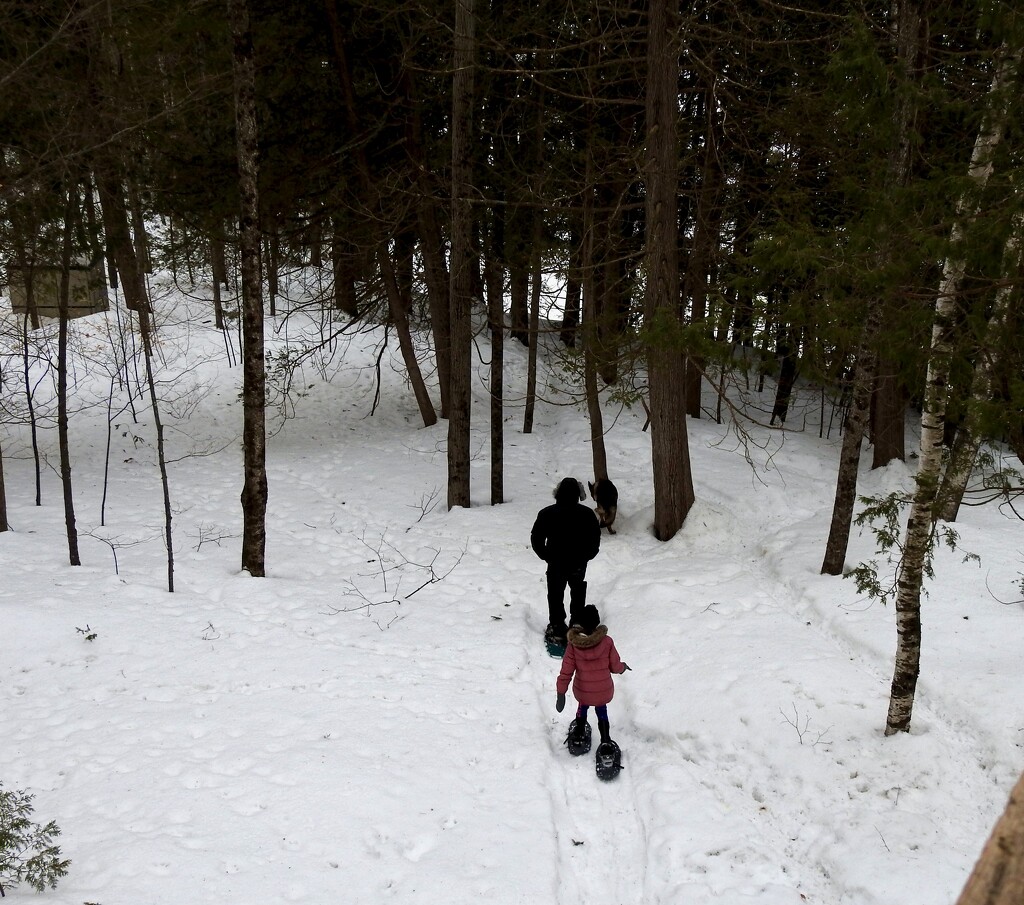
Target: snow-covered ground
x=374, y=721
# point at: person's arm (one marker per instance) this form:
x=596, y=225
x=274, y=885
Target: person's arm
x=538, y=538
x=566, y=672
x=615, y=663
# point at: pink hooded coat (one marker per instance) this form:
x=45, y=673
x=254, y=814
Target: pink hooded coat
x=592, y=658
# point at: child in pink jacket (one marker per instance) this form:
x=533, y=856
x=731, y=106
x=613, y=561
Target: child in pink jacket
x=589, y=661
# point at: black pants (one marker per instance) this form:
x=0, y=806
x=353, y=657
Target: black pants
x=557, y=580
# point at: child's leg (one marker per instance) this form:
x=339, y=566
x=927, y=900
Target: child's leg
x=602, y=723
x=580, y=727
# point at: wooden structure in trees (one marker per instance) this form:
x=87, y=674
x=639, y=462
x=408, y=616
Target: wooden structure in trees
x=87, y=289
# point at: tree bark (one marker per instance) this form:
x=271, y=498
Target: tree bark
x=4, y=526
x=918, y=535
x=254, y=439
x=62, y=375
x=399, y=316
x=573, y=292
x=218, y=267
x=147, y=348
x=435, y=275
x=968, y=440
x=126, y=258
x=496, y=319
x=461, y=256
x=849, y=454
x=998, y=877
x=599, y=453
x=910, y=46
x=494, y=284
x=787, y=350
x=888, y=417
x=31, y=317
x=705, y=241
x=536, y=280
x=536, y=256
x=344, y=272
x=591, y=305
x=673, y=482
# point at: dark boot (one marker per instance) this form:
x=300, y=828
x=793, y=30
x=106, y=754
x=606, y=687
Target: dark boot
x=602, y=727
x=556, y=633
x=578, y=738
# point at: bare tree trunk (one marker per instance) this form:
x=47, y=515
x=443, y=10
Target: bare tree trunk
x=126, y=259
x=494, y=284
x=4, y=526
x=27, y=268
x=910, y=45
x=920, y=524
x=705, y=242
x=399, y=316
x=573, y=291
x=493, y=279
x=849, y=454
x=344, y=273
x=147, y=347
x=998, y=877
x=518, y=294
x=273, y=281
x=968, y=440
x=589, y=332
x=62, y=374
x=673, y=482
x=254, y=437
x=31, y=316
x=787, y=349
x=888, y=417
x=139, y=234
x=435, y=274
x=531, y=357
x=461, y=255
x=219, y=271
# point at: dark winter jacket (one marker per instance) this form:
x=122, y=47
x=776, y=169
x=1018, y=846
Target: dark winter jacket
x=566, y=535
x=592, y=658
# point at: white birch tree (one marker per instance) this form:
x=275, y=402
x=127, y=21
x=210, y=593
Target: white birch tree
x=921, y=522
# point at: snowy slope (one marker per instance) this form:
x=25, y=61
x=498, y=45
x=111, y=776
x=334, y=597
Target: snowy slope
x=375, y=722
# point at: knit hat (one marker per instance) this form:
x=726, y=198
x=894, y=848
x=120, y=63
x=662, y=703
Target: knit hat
x=590, y=619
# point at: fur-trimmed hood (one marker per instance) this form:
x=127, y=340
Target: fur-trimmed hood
x=578, y=638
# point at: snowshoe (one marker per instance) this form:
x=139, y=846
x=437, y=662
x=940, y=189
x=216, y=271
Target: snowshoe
x=578, y=742
x=554, y=641
x=555, y=648
x=609, y=760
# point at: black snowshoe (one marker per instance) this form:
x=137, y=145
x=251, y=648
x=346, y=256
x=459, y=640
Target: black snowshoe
x=608, y=760
x=577, y=740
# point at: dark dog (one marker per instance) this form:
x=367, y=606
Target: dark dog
x=607, y=498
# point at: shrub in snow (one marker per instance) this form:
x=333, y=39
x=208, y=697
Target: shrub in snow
x=27, y=852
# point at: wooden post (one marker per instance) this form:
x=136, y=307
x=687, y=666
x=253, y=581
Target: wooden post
x=998, y=877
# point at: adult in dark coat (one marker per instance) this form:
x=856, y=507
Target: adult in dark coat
x=566, y=536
